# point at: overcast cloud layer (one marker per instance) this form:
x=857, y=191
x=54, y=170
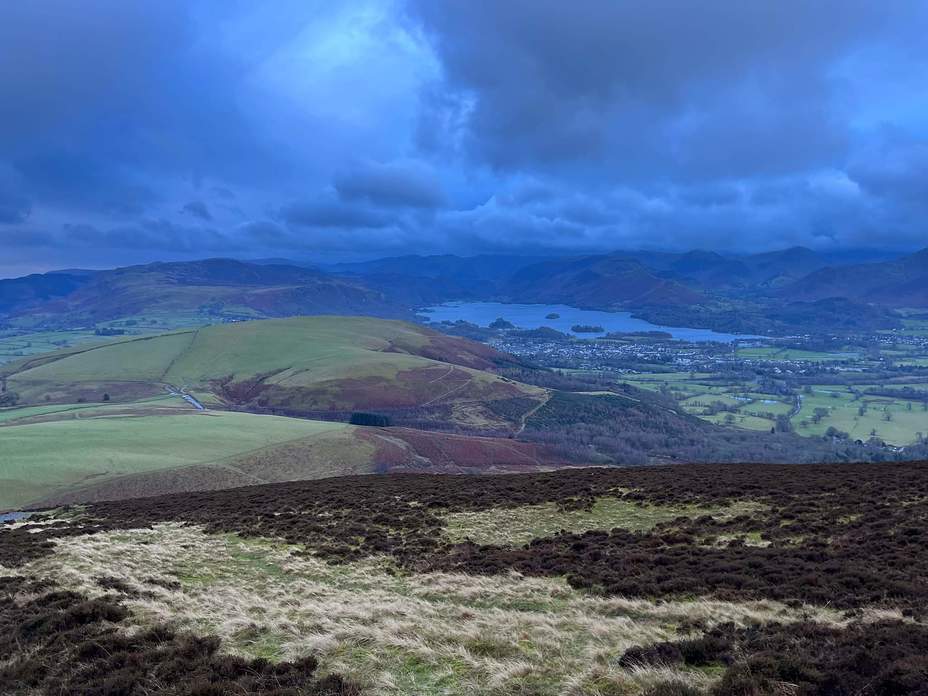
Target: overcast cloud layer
x=134, y=131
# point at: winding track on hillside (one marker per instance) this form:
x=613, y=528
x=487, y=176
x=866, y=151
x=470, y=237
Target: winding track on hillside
x=528, y=414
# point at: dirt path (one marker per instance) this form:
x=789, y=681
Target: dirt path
x=441, y=377
x=451, y=391
x=532, y=412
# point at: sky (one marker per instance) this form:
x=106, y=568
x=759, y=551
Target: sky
x=174, y=129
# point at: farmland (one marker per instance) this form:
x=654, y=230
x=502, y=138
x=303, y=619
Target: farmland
x=669, y=580
x=98, y=444
x=869, y=387
x=113, y=419
x=849, y=409
x=898, y=421
x=305, y=366
x=16, y=344
x=83, y=452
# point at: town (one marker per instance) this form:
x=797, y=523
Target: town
x=870, y=387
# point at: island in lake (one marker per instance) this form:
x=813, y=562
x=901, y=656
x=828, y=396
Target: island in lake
x=553, y=315
x=586, y=328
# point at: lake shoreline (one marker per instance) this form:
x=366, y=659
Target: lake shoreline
x=534, y=316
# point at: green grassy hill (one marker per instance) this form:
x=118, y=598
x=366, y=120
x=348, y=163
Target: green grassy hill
x=55, y=459
x=297, y=366
x=307, y=349
x=107, y=420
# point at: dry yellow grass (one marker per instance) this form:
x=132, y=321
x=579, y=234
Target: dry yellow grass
x=519, y=525
x=396, y=633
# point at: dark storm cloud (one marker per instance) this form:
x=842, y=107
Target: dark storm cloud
x=198, y=126
x=327, y=212
x=94, y=94
x=747, y=125
x=895, y=169
x=395, y=184
x=198, y=209
x=158, y=234
x=84, y=181
x=644, y=88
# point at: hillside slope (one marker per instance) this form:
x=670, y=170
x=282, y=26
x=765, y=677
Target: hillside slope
x=116, y=452
x=140, y=451
x=19, y=293
x=900, y=283
x=713, y=271
x=309, y=366
x=608, y=282
x=213, y=288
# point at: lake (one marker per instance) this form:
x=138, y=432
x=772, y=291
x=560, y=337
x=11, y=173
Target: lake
x=533, y=316
x=13, y=516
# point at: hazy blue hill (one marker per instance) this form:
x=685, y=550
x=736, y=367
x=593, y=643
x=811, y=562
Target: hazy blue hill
x=709, y=269
x=217, y=287
x=446, y=265
x=598, y=281
x=713, y=271
x=393, y=287
x=224, y=272
x=773, y=267
x=29, y=290
x=422, y=280
x=899, y=283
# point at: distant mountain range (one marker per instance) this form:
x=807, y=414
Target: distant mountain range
x=774, y=291
x=899, y=283
x=612, y=281
x=217, y=287
x=637, y=278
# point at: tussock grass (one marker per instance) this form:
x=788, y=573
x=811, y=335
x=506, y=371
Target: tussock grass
x=396, y=633
x=519, y=525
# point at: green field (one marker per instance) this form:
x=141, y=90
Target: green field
x=15, y=346
x=914, y=327
x=296, y=366
x=134, y=360
x=77, y=411
x=701, y=394
x=790, y=354
x=895, y=421
x=305, y=350
x=96, y=416
x=292, y=352
x=43, y=459
x=912, y=362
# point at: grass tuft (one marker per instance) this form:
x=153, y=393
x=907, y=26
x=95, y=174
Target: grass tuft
x=395, y=633
x=519, y=525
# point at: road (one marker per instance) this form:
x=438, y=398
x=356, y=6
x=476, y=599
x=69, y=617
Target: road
x=171, y=389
